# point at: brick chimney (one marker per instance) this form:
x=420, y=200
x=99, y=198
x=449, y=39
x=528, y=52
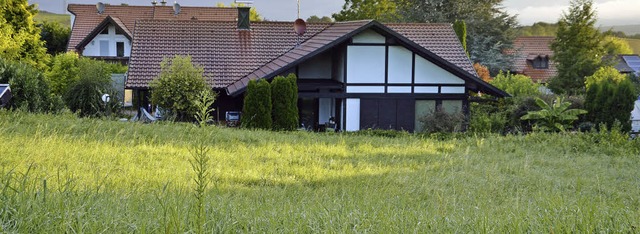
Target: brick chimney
x=244, y=22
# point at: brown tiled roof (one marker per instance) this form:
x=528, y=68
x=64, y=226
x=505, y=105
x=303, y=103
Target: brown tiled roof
x=529, y=48
x=87, y=17
x=105, y=23
x=231, y=57
x=227, y=54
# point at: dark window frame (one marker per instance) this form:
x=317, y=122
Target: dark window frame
x=120, y=50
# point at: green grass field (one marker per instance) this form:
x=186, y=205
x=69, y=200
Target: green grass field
x=61, y=174
x=635, y=45
x=62, y=19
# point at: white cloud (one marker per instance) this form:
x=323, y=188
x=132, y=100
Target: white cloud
x=609, y=12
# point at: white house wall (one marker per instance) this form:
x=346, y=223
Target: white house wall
x=369, y=36
x=365, y=64
x=93, y=48
x=429, y=73
x=400, y=65
x=317, y=68
x=352, y=120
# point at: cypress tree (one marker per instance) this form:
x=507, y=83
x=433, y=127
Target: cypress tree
x=610, y=98
x=460, y=27
x=257, y=105
x=284, y=99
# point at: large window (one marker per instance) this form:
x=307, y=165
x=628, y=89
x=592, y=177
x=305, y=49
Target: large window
x=120, y=49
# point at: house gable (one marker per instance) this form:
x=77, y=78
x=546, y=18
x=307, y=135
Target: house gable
x=110, y=38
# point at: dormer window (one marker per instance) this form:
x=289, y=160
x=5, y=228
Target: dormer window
x=541, y=62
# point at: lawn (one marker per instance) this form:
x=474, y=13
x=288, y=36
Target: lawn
x=64, y=174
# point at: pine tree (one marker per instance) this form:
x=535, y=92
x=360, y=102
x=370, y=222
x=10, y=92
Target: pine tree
x=577, y=48
x=256, y=112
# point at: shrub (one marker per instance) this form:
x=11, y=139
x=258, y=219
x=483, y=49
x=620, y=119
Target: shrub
x=30, y=90
x=516, y=85
x=64, y=72
x=610, y=98
x=554, y=117
x=284, y=96
x=442, y=121
x=178, y=86
x=85, y=95
x=203, y=104
x=256, y=112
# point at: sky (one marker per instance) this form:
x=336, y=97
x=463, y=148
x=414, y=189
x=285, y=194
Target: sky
x=610, y=12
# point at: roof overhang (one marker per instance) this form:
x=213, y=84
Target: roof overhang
x=104, y=24
x=474, y=83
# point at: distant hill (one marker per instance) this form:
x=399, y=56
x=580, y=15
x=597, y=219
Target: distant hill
x=626, y=29
x=62, y=19
x=635, y=45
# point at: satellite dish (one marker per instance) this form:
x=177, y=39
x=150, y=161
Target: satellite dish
x=176, y=8
x=300, y=27
x=100, y=7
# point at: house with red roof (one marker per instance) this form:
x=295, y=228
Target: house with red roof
x=362, y=74
x=533, y=58
x=105, y=31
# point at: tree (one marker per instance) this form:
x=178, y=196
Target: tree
x=63, y=73
x=316, y=19
x=577, y=48
x=284, y=97
x=615, y=46
x=256, y=112
x=516, y=85
x=483, y=72
x=84, y=96
x=382, y=10
x=20, y=38
x=539, y=29
x=55, y=36
x=178, y=85
x=554, y=117
x=610, y=98
x=461, y=31
x=29, y=87
x=253, y=13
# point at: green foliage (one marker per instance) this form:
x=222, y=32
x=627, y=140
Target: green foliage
x=63, y=20
x=29, y=87
x=516, y=85
x=20, y=38
x=539, y=29
x=577, y=48
x=316, y=19
x=443, y=121
x=84, y=96
x=203, y=104
x=284, y=99
x=554, y=117
x=200, y=166
x=381, y=10
x=55, y=37
x=485, y=118
x=610, y=98
x=178, y=85
x=461, y=31
x=64, y=72
x=256, y=111
x=615, y=46
x=253, y=13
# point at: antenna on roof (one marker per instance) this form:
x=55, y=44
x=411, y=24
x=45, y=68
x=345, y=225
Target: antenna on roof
x=164, y=2
x=100, y=7
x=298, y=9
x=154, y=2
x=176, y=8
x=246, y=2
x=300, y=27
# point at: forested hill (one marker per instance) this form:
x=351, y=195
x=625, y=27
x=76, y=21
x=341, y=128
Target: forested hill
x=62, y=19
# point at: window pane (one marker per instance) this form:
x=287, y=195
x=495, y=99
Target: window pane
x=104, y=48
x=120, y=49
x=423, y=108
x=452, y=106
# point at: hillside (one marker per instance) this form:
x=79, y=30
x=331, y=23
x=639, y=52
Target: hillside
x=626, y=29
x=62, y=19
x=635, y=45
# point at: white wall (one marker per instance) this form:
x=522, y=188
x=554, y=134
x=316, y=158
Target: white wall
x=445, y=89
x=365, y=64
x=93, y=48
x=429, y=73
x=399, y=65
x=399, y=89
x=318, y=67
x=353, y=114
x=369, y=36
x=326, y=109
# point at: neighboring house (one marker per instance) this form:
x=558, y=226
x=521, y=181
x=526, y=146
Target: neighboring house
x=365, y=74
x=627, y=63
x=106, y=33
x=534, y=58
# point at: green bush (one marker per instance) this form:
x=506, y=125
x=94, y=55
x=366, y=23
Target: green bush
x=610, y=98
x=516, y=85
x=284, y=99
x=554, y=116
x=256, y=112
x=442, y=121
x=178, y=85
x=85, y=95
x=30, y=90
x=64, y=72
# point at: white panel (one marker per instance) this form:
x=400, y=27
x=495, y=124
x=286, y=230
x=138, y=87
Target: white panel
x=93, y=48
x=432, y=89
x=353, y=114
x=325, y=111
x=365, y=89
x=399, y=65
x=445, y=89
x=429, y=73
x=365, y=64
x=399, y=89
x=316, y=68
x=369, y=36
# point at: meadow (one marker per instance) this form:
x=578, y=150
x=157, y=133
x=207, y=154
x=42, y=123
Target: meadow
x=63, y=174
x=62, y=19
x=635, y=45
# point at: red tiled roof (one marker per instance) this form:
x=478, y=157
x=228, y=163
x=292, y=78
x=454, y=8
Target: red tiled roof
x=87, y=17
x=528, y=49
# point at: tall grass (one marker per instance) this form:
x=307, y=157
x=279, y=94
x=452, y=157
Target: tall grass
x=64, y=174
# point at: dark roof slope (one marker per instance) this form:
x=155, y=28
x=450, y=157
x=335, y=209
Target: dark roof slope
x=529, y=48
x=87, y=17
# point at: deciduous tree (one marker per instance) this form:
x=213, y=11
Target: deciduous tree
x=55, y=37
x=20, y=38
